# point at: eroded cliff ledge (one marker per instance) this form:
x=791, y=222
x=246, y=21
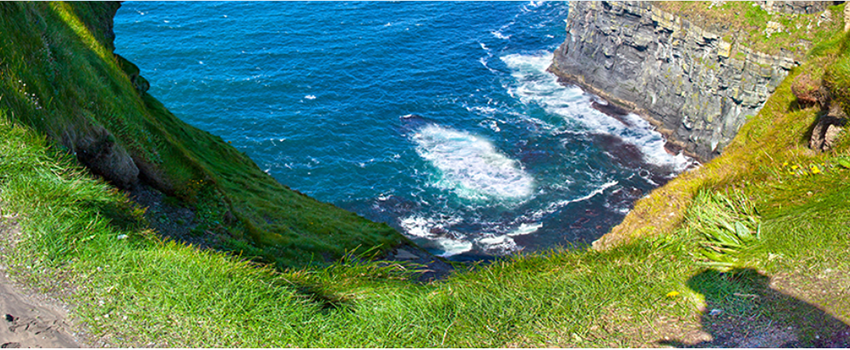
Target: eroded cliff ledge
x=697, y=87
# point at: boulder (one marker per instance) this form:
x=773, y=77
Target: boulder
x=827, y=129
x=103, y=156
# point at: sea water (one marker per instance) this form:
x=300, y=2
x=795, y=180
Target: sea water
x=437, y=118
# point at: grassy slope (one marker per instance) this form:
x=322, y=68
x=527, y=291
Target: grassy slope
x=140, y=290
x=58, y=76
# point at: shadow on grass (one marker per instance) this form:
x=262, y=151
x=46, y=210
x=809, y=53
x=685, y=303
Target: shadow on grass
x=742, y=310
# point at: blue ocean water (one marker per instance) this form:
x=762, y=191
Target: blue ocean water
x=437, y=118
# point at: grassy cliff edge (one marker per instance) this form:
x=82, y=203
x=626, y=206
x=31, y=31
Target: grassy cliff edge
x=58, y=75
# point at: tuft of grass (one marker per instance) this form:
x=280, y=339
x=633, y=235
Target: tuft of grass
x=727, y=227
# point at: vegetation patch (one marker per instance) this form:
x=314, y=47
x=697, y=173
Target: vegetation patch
x=748, y=24
x=58, y=75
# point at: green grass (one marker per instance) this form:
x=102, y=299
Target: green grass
x=742, y=23
x=59, y=76
x=84, y=242
x=165, y=294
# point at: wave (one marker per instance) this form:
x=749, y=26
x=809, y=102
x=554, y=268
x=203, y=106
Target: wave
x=534, y=85
x=471, y=166
x=555, y=206
x=435, y=231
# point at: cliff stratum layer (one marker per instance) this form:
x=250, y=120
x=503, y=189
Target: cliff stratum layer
x=697, y=86
x=60, y=76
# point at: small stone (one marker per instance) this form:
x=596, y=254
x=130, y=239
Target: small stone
x=405, y=255
x=10, y=318
x=715, y=312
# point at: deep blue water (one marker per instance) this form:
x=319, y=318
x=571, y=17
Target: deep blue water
x=437, y=118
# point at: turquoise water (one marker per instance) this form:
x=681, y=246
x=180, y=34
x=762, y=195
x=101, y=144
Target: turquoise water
x=437, y=118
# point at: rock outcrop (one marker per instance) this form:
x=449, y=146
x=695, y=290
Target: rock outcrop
x=795, y=7
x=695, y=87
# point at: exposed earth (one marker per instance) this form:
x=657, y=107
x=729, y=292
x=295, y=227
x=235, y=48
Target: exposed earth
x=27, y=319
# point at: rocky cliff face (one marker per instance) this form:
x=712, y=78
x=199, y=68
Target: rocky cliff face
x=696, y=88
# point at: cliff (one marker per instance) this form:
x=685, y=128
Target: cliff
x=697, y=86
x=60, y=77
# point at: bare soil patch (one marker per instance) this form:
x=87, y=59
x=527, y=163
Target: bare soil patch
x=28, y=319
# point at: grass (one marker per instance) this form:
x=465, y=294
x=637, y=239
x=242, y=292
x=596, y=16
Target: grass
x=745, y=23
x=84, y=242
x=58, y=76
x=141, y=290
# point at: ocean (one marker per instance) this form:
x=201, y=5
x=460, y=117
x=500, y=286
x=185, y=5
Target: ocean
x=438, y=118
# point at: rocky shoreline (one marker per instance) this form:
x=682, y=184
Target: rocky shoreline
x=695, y=87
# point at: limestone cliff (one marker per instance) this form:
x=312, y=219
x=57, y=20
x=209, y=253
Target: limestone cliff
x=695, y=87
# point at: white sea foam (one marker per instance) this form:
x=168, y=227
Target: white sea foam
x=498, y=34
x=533, y=85
x=493, y=125
x=525, y=229
x=471, y=166
x=310, y=97
x=499, y=245
x=422, y=227
x=555, y=206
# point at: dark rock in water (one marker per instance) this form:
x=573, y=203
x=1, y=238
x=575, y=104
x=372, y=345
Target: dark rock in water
x=672, y=148
x=534, y=156
x=623, y=152
x=412, y=122
x=612, y=111
x=578, y=223
x=438, y=231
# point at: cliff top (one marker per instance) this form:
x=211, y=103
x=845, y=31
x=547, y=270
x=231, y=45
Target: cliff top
x=751, y=25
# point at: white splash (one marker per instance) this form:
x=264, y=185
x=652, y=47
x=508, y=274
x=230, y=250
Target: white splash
x=421, y=227
x=471, y=166
x=533, y=85
x=498, y=34
x=555, y=206
x=525, y=229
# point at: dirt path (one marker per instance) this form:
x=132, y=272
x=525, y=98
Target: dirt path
x=26, y=319
x=28, y=323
